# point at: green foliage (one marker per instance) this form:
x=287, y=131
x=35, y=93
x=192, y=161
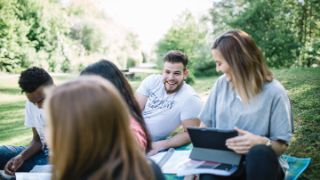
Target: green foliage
x=188, y=36
x=131, y=62
x=46, y=32
x=89, y=37
x=65, y=66
x=26, y=27
x=287, y=31
x=262, y=21
x=222, y=12
x=12, y=34
x=80, y=67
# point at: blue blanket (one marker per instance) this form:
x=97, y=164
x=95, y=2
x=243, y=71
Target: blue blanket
x=296, y=166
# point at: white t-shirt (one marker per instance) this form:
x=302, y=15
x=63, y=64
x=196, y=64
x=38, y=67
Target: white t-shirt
x=163, y=112
x=34, y=118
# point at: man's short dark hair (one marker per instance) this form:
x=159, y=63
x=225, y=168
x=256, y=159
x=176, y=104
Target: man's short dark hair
x=176, y=56
x=32, y=78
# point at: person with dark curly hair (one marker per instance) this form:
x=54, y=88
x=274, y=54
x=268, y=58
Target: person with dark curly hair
x=13, y=159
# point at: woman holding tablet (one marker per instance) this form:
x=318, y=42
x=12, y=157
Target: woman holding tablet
x=248, y=99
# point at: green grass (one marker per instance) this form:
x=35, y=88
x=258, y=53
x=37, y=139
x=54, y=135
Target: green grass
x=304, y=90
x=303, y=85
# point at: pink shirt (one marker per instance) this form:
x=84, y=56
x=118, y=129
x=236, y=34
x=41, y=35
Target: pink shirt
x=138, y=133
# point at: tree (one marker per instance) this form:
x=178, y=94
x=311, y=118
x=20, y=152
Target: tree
x=27, y=30
x=263, y=20
x=189, y=36
x=307, y=24
x=287, y=31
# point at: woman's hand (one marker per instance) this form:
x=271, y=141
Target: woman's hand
x=242, y=143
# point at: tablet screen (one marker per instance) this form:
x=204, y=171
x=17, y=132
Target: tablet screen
x=210, y=138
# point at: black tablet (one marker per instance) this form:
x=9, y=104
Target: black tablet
x=210, y=138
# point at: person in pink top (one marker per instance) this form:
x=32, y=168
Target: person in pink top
x=109, y=71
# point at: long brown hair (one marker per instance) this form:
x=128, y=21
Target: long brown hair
x=249, y=70
x=110, y=72
x=89, y=133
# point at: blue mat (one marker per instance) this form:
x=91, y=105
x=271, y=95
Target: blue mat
x=296, y=166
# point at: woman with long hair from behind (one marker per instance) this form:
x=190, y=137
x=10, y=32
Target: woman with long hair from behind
x=110, y=72
x=88, y=133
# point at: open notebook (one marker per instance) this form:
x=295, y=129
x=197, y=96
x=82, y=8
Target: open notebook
x=171, y=160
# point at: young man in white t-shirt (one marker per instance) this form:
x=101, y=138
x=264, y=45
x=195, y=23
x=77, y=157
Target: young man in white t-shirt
x=19, y=158
x=168, y=102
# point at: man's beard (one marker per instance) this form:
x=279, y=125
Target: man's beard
x=174, y=90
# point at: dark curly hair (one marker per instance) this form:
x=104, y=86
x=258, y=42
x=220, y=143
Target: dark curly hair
x=175, y=56
x=32, y=78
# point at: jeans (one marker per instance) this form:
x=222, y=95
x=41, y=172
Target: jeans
x=261, y=163
x=8, y=152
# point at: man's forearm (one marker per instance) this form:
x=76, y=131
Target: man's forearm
x=31, y=150
x=178, y=140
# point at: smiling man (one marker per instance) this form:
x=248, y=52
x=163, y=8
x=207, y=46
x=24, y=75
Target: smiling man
x=168, y=102
x=19, y=158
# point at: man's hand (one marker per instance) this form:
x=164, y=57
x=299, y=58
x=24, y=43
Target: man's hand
x=158, y=146
x=242, y=143
x=13, y=164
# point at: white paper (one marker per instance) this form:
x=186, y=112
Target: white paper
x=204, y=167
x=42, y=168
x=157, y=157
x=177, y=159
x=32, y=176
x=174, y=163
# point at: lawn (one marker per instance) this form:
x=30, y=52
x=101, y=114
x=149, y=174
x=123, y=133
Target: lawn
x=303, y=85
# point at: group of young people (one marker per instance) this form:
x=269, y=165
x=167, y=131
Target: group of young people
x=96, y=127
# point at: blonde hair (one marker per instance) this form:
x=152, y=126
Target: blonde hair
x=90, y=135
x=249, y=70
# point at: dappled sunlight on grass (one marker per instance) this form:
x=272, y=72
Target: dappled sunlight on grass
x=304, y=90
x=5, y=98
x=9, y=80
x=10, y=90
x=23, y=138
x=12, y=127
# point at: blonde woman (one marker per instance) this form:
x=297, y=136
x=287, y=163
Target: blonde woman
x=247, y=97
x=89, y=134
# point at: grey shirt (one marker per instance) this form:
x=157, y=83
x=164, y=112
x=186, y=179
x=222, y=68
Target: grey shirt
x=267, y=114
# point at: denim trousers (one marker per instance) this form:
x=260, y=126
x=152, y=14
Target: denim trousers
x=8, y=152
